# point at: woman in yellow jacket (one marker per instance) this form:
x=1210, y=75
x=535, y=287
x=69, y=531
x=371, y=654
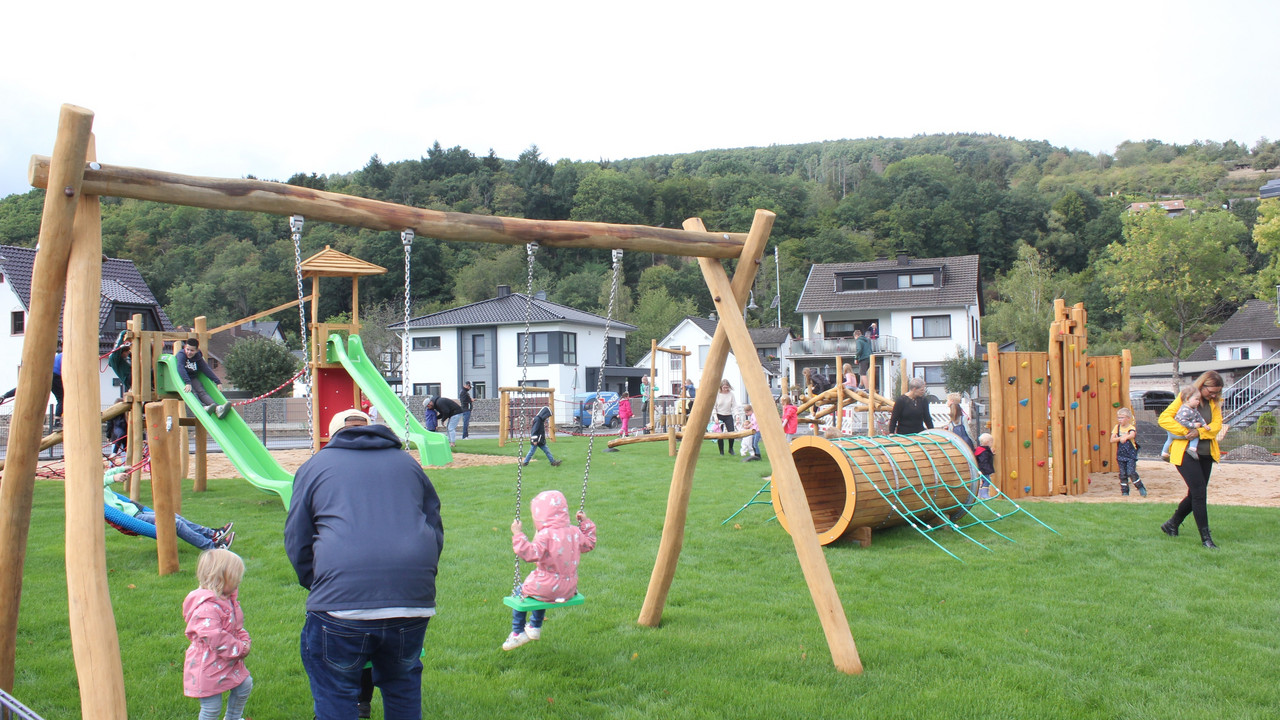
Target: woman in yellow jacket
x=1195, y=472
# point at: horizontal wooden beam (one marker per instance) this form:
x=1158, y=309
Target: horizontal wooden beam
x=283, y=199
x=264, y=313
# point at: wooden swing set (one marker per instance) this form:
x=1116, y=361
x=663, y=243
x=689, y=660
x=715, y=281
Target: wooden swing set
x=69, y=261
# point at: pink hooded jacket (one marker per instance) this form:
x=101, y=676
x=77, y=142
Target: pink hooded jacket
x=219, y=644
x=556, y=547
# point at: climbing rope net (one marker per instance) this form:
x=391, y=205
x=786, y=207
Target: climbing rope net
x=933, y=496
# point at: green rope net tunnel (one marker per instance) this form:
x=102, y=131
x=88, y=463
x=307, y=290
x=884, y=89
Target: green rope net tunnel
x=929, y=481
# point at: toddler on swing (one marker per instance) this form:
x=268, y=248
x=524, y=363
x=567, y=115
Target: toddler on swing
x=556, y=547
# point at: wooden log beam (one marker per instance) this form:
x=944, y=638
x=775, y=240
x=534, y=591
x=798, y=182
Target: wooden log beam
x=282, y=199
x=94, y=642
x=48, y=281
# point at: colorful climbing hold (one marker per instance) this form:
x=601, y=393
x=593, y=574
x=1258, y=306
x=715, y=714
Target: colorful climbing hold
x=1115, y=404
x=1040, y=464
x=1039, y=381
x=1093, y=394
x=1075, y=405
x=1013, y=379
x=1096, y=446
x=1023, y=402
x=1075, y=450
x=1072, y=346
x=1040, y=433
x=1012, y=428
x=1086, y=387
x=1026, y=443
x=1026, y=488
x=1102, y=379
x=1024, y=363
x=1013, y=475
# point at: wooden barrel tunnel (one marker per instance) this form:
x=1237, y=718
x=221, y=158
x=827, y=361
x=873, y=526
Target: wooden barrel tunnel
x=840, y=477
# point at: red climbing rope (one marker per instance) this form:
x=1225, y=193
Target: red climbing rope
x=284, y=384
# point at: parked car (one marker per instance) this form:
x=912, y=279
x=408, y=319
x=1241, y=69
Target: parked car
x=587, y=408
x=1156, y=400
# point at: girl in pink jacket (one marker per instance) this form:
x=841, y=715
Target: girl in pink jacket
x=219, y=643
x=556, y=547
x=625, y=414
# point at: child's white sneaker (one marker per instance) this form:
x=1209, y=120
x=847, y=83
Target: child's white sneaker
x=514, y=641
x=534, y=633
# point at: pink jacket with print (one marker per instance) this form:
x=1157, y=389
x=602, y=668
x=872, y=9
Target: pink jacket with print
x=556, y=547
x=219, y=644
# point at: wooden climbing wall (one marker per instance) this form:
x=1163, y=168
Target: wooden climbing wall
x=1106, y=390
x=1051, y=413
x=1019, y=421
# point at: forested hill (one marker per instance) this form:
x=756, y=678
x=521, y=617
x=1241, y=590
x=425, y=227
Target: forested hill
x=845, y=200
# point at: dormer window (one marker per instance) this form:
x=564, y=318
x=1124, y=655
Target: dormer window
x=915, y=280
x=850, y=283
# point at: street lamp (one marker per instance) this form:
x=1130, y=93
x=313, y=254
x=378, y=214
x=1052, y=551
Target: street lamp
x=751, y=304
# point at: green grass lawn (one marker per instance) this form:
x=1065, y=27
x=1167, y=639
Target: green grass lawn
x=1109, y=619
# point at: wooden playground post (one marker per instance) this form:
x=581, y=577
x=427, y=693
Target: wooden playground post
x=786, y=478
x=871, y=398
x=729, y=299
x=94, y=641
x=996, y=391
x=48, y=283
x=162, y=436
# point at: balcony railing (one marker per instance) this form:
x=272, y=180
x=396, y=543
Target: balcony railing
x=842, y=346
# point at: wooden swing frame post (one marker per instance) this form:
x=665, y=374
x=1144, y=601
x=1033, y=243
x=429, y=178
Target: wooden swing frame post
x=70, y=248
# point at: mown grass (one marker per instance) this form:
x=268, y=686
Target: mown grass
x=1109, y=619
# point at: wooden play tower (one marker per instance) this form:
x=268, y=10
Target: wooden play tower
x=69, y=261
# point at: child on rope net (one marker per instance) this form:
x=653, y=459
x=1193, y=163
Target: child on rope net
x=214, y=662
x=1125, y=437
x=556, y=548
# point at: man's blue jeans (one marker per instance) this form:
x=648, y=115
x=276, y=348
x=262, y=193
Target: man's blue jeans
x=334, y=653
x=466, y=423
x=453, y=428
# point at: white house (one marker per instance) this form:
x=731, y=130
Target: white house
x=483, y=343
x=694, y=335
x=926, y=309
x=124, y=294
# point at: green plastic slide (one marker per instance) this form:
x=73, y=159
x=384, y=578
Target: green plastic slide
x=241, y=445
x=433, y=448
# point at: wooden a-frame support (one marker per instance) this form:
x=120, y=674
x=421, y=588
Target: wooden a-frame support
x=71, y=247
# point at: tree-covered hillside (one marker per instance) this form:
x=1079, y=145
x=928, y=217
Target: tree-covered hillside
x=1047, y=221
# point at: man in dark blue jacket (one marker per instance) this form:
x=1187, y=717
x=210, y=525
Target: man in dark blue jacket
x=364, y=536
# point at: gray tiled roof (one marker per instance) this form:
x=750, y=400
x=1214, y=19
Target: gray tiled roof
x=121, y=283
x=510, y=310
x=760, y=337
x=1255, y=320
x=960, y=286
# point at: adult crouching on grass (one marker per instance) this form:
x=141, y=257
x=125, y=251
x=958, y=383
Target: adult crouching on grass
x=1195, y=471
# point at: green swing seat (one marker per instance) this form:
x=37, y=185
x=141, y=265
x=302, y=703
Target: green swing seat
x=524, y=604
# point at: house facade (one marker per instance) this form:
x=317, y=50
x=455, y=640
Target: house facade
x=694, y=334
x=484, y=343
x=124, y=294
x=925, y=309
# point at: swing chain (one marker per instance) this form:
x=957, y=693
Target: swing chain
x=531, y=251
x=295, y=225
x=406, y=238
x=604, y=359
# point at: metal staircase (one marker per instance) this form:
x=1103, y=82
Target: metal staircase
x=1254, y=394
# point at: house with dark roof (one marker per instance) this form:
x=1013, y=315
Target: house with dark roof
x=484, y=343
x=925, y=310
x=1250, y=334
x=693, y=334
x=1173, y=207
x=124, y=294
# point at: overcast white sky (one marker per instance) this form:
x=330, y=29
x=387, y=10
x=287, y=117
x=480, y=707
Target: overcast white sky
x=272, y=88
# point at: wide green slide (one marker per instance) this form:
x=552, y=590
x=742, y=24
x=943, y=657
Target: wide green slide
x=433, y=448
x=241, y=445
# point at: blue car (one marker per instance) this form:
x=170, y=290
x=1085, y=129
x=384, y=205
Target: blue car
x=587, y=408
